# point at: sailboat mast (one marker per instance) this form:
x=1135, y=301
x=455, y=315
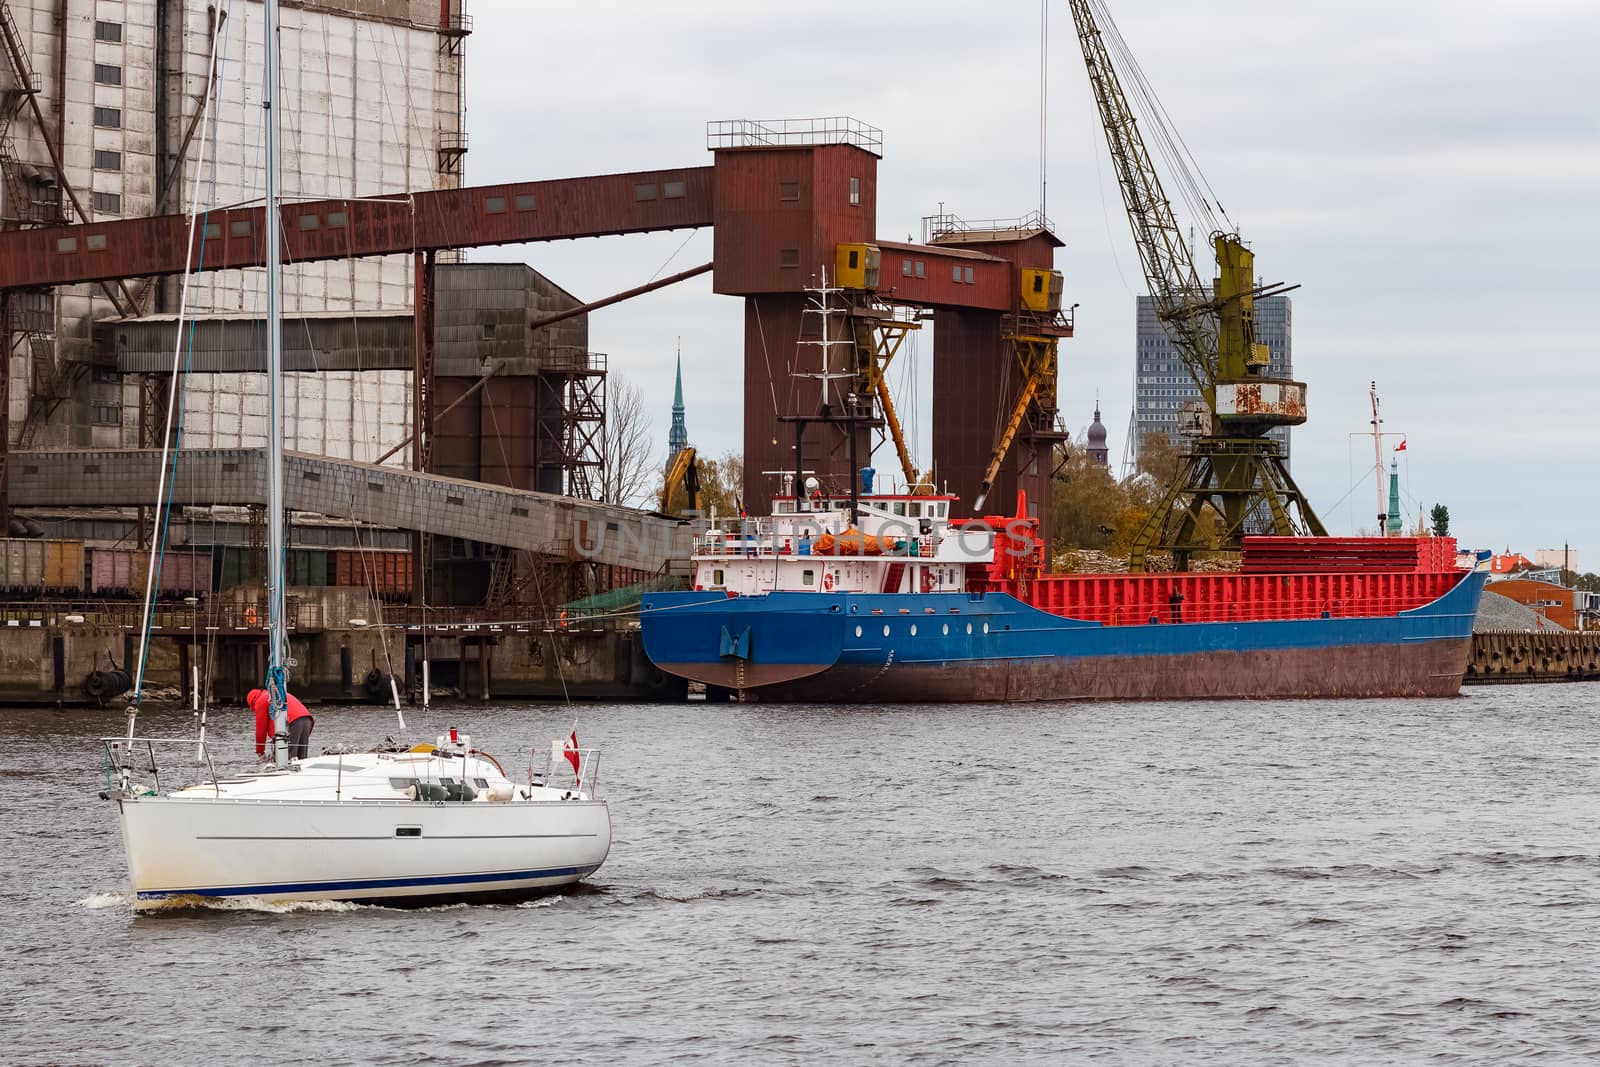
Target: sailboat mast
x=277, y=629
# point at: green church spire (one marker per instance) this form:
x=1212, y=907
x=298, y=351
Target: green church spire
x=678, y=436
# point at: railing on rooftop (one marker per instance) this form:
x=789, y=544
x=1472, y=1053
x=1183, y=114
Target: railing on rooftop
x=945, y=224
x=793, y=133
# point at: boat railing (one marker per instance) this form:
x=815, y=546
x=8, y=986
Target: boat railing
x=560, y=774
x=138, y=758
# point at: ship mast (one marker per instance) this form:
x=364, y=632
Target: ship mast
x=1377, y=461
x=277, y=628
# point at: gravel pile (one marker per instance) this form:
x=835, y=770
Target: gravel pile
x=1499, y=614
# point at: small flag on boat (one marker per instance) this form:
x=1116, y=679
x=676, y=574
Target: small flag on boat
x=1401, y=447
x=570, y=751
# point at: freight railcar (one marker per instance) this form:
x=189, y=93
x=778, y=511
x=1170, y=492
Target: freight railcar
x=33, y=565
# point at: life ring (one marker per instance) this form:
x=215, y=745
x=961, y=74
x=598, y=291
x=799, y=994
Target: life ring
x=249, y=616
x=827, y=580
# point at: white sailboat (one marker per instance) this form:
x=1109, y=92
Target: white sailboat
x=431, y=821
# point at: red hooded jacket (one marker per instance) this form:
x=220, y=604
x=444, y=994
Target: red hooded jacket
x=261, y=703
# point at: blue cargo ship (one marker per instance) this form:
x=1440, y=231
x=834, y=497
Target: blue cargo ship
x=888, y=599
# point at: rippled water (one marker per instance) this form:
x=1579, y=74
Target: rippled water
x=1381, y=881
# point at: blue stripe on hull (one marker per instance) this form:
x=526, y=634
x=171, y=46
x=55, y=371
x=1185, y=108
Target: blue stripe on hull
x=444, y=881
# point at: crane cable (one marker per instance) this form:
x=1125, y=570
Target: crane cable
x=1192, y=186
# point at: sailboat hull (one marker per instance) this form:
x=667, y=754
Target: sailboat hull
x=402, y=851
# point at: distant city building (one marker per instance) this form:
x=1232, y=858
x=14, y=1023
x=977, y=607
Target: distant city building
x=678, y=436
x=1563, y=558
x=1163, y=387
x=1095, y=440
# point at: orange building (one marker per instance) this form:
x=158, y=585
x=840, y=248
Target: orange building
x=1510, y=561
x=1555, y=602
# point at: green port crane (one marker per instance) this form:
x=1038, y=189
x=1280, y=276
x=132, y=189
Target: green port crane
x=1231, y=465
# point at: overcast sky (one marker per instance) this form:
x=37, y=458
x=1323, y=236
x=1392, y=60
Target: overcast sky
x=1427, y=170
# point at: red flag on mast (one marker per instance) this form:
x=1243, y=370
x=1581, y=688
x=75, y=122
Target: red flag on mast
x=569, y=749
x=1401, y=447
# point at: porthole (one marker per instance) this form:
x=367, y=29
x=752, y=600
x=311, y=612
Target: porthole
x=947, y=629
x=858, y=631
x=886, y=630
x=985, y=627
x=969, y=628
x=913, y=629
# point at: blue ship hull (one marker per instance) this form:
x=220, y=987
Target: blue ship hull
x=959, y=647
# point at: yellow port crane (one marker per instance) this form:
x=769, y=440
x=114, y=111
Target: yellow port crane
x=1232, y=465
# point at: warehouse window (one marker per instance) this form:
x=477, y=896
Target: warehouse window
x=495, y=205
x=310, y=222
x=644, y=191
x=969, y=275
x=905, y=267
x=66, y=244
x=789, y=258
x=239, y=228
x=110, y=203
x=106, y=74
x=109, y=118
x=672, y=191
x=855, y=192
x=788, y=190
x=955, y=274
x=212, y=231
x=107, y=415
x=336, y=219
x=108, y=31
x=526, y=202
x=95, y=242
x=105, y=159
x=922, y=269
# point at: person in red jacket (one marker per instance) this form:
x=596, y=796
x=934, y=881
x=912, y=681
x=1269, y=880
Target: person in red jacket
x=300, y=723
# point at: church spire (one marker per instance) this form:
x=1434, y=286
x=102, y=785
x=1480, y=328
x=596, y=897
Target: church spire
x=678, y=436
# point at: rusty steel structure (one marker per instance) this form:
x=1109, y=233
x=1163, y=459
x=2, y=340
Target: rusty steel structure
x=790, y=204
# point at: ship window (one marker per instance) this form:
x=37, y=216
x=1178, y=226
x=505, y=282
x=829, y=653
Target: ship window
x=858, y=631
x=855, y=258
x=886, y=629
x=855, y=192
x=916, y=511
x=985, y=627
x=947, y=629
x=808, y=577
x=900, y=507
x=481, y=783
x=913, y=629
x=401, y=784
x=716, y=577
x=969, y=628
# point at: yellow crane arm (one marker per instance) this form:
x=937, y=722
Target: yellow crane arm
x=681, y=471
